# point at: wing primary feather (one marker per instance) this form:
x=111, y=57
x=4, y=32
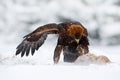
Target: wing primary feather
x=32, y=48
x=24, y=49
x=23, y=52
x=28, y=49
x=19, y=48
x=40, y=41
x=18, y=51
x=32, y=51
x=37, y=46
x=20, y=45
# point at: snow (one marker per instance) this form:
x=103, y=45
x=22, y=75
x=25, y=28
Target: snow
x=40, y=66
x=47, y=72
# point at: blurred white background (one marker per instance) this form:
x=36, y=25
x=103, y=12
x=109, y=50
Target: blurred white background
x=20, y=17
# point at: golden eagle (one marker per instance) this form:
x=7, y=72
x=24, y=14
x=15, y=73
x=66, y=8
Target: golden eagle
x=72, y=40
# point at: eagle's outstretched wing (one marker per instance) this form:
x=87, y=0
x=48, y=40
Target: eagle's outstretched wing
x=35, y=39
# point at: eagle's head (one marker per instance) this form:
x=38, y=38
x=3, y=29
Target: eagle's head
x=76, y=31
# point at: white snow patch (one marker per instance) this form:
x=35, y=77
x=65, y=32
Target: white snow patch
x=41, y=67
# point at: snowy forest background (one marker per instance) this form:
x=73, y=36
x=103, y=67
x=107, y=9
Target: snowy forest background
x=100, y=17
x=20, y=17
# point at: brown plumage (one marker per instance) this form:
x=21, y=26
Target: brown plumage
x=72, y=40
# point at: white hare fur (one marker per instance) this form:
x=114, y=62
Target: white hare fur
x=92, y=59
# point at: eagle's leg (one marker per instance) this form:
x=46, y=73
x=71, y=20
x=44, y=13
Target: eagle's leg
x=70, y=56
x=57, y=53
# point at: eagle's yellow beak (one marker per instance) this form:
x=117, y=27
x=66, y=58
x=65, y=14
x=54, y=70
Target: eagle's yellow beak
x=77, y=40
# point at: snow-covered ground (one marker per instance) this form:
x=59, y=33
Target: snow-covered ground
x=41, y=67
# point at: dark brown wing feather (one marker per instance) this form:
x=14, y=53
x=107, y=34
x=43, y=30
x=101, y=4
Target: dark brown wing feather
x=35, y=39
